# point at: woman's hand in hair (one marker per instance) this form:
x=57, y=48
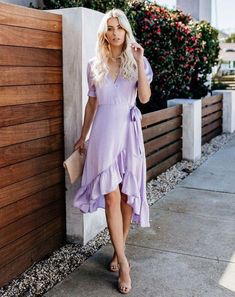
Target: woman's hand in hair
x=137, y=51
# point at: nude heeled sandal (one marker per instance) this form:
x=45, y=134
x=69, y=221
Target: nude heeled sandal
x=123, y=287
x=113, y=267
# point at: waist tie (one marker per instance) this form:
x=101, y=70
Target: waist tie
x=136, y=117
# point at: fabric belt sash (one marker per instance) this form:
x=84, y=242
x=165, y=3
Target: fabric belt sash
x=136, y=117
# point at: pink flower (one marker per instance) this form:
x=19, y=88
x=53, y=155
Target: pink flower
x=158, y=31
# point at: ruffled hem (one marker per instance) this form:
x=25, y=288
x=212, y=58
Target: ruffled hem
x=91, y=197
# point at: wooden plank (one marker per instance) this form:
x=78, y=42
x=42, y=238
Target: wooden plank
x=11, y=75
x=30, y=186
x=26, y=17
x=30, y=149
x=211, y=100
x=14, y=95
x=164, y=153
x=162, y=128
x=211, y=135
x=153, y=172
x=211, y=118
x=19, y=265
x=29, y=131
x=34, y=238
x=161, y=115
x=27, y=224
x=212, y=108
x=26, y=37
x=211, y=126
x=24, y=207
x=26, y=169
x=23, y=56
x=19, y=114
x=26, y=12
x=163, y=140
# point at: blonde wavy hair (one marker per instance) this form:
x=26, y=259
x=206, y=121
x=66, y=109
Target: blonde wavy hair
x=128, y=68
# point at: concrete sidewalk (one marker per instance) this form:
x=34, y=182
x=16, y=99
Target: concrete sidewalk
x=189, y=251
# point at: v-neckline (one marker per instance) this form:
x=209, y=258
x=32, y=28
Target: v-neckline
x=114, y=80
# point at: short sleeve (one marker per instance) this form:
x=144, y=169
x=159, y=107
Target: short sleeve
x=148, y=70
x=91, y=85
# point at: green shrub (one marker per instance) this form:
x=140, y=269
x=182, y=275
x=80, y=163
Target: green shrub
x=99, y=5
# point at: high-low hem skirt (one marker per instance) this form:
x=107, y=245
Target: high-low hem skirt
x=115, y=155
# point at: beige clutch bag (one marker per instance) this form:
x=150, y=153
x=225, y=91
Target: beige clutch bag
x=74, y=164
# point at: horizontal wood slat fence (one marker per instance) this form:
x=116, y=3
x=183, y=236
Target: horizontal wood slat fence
x=212, y=110
x=162, y=131
x=32, y=202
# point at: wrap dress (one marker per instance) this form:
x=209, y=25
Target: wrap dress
x=115, y=152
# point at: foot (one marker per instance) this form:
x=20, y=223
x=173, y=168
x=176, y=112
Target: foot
x=124, y=280
x=114, y=266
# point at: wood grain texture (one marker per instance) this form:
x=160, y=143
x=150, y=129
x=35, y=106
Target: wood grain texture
x=25, y=37
x=42, y=216
x=29, y=131
x=13, y=15
x=161, y=115
x=159, y=156
x=17, y=75
x=21, y=263
x=162, y=141
x=32, y=191
x=211, y=118
x=27, y=56
x=17, y=10
x=211, y=108
x=209, y=136
x=30, y=149
x=212, y=126
x=30, y=186
x=162, y=128
x=153, y=172
x=19, y=114
x=26, y=169
x=16, y=95
x=211, y=100
x=28, y=205
x=25, y=243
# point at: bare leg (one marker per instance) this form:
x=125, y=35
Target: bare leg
x=115, y=224
x=127, y=211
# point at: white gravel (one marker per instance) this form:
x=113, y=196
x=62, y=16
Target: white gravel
x=43, y=275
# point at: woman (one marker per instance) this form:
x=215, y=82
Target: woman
x=114, y=175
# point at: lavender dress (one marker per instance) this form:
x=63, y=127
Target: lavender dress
x=115, y=152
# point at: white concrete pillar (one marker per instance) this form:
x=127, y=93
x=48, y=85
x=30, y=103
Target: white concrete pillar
x=79, y=37
x=228, y=109
x=192, y=127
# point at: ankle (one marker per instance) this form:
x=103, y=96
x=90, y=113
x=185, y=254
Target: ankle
x=123, y=260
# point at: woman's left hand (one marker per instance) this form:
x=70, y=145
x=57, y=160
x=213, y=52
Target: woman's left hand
x=137, y=51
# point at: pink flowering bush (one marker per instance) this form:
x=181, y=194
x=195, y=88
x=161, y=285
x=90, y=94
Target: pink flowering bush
x=181, y=52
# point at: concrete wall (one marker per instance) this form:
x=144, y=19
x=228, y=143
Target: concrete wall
x=79, y=37
x=199, y=9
